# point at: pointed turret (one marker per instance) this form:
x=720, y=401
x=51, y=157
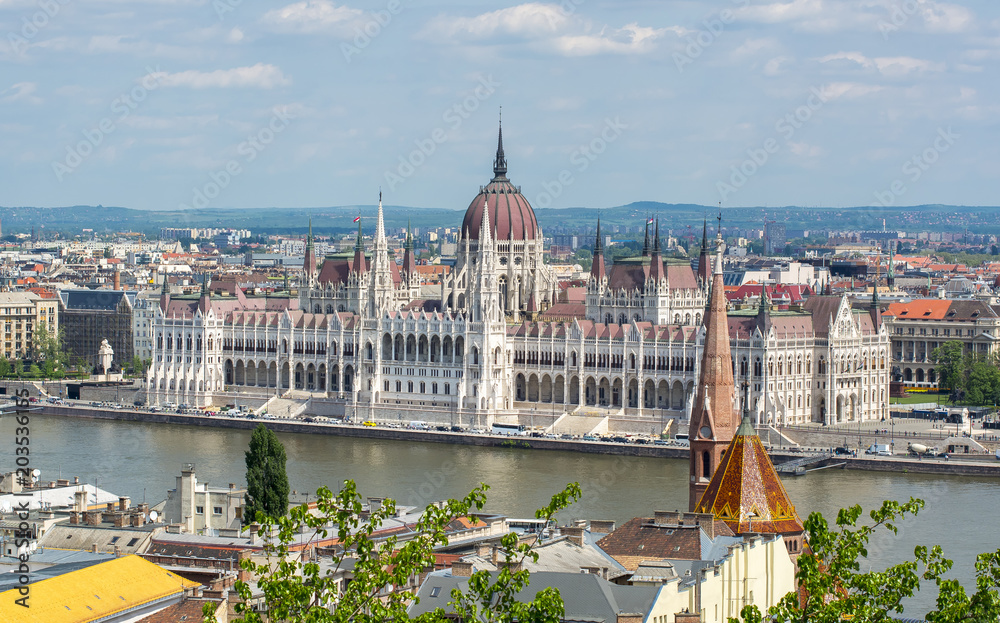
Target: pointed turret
x=597, y=269
x=713, y=420
x=645, y=243
x=656, y=270
x=309, y=263
x=746, y=493
x=165, y=294
x=704, y=262
x=359, y=266
x=890, y=278
x=764, y=310
x=500, y=162
x=205, y=302
x=876, y=311
x=409, y=258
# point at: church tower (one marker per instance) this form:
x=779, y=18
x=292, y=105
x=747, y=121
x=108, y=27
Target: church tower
x=713, y=420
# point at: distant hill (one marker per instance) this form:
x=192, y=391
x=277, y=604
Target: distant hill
x=70, y=221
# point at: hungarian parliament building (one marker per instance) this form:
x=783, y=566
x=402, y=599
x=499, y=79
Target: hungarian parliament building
x=496, y=340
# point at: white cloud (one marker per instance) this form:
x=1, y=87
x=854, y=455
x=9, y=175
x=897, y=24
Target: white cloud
x=890, y=66
x=632, y=39
x=864, y=15
x=235, y=35
x=525, y=20
x=546, y=28
x=21, y=92
x=315, y=16
x=773, y=67
x=260, y=76
x=850, y=90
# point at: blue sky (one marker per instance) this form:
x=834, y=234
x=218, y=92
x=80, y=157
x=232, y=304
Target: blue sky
x=157, y=104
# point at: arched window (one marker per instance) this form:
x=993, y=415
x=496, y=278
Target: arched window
x=706, y=464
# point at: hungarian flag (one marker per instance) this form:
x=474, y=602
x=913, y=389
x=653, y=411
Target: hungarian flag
x=650, y=221
x=357, y=218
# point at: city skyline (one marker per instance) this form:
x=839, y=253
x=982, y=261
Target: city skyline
x=316, y=103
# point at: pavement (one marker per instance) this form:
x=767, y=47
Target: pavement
x=902, y=431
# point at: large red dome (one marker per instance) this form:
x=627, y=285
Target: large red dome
x=511, y=216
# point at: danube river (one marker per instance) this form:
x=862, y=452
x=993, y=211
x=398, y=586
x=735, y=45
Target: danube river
x=142, y=460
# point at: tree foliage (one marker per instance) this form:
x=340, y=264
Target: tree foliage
x=267, y=482
x=968, y=377
x=833, y=588
x=299, y=592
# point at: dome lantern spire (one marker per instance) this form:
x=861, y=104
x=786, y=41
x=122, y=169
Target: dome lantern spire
x=500, y=163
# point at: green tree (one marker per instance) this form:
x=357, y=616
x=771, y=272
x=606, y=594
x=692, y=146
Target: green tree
x=34, y=371
x=983, y=385
x=298, y=592
x=833, y=588
x=267, y=482
x=18, y=368
x=952, y=366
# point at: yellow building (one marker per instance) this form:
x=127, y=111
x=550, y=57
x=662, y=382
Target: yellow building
x=118, y=589
x=21, y=314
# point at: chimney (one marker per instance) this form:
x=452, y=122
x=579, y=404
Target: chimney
x=461, y=569
x=687, y=617
x=232, y=486
x=118, y=279
x=118, y=551
x=123, y=503
x=667, y=518
x=629, y=618
x=705, y=520
x=80, y=501
x=575, y=534
x=120, y=520
x=484, y=550
x=74, y=517
x=144, y=509
x=93, y=548
x=602, y=526
x=111, y=507
x=76, y=480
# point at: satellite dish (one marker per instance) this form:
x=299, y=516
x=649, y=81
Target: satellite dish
x=36, y=472
x=153, y=515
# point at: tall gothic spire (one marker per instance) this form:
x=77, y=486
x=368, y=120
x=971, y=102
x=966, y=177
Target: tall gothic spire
x=704, y=269
x=597, y=269
x=500, y=163
x=713, y=420
x=359, y=252
x=656, y=271
x=645, y=243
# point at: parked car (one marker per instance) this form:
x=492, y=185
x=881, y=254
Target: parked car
x=842, y=451
x=879, y=449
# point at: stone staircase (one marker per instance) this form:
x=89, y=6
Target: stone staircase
x=580, y=424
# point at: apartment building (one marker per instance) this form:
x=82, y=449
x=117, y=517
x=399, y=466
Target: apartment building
x=21, y=313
